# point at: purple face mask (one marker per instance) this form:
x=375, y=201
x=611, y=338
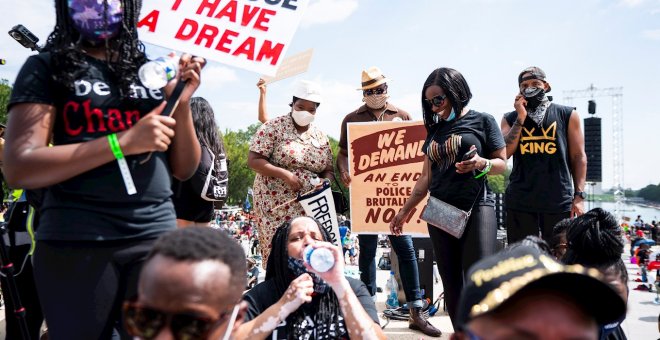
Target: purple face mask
x=87, y=18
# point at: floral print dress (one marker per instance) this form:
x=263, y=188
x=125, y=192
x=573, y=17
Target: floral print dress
x=306, y=155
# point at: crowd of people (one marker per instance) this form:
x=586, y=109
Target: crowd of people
x=123, y=233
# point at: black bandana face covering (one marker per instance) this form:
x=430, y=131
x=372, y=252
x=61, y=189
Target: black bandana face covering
x=534, y=96
x=298, y=268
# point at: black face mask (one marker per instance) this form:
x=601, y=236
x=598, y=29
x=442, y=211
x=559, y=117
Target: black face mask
x=534, y=96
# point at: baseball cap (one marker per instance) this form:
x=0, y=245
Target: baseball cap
x=534, y=73
x=308, y=90
x=494, y=280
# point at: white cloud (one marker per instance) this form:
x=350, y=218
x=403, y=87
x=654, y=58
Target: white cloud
x=651, y=34
x=326, y=11
x=215, y=76
x=631, y=3
x=339, y=99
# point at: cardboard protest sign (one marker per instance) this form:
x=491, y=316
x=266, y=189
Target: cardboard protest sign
x=250, y=34
x=385, y=161
x=320, y=205
x=291, y=66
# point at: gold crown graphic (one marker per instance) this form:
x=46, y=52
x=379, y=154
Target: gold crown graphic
x=548, y=134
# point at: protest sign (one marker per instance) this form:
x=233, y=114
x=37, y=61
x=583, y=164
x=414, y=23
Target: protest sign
x=291, y=66
x=385, y=161
x=250, y=34
x=319, y=205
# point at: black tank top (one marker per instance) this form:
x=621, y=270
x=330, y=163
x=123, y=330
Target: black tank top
x=541, y=178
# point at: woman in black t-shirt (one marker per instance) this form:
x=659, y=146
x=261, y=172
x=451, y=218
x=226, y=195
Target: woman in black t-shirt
x=453, y=130
x=296, y=302
x=191, y=208
x=81, y=93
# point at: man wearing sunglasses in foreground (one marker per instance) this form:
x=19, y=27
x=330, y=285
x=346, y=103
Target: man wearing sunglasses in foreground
x=378, y=109
x=189, y=288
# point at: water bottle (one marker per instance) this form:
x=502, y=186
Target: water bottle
x=321, y=259
x=392, y=297
x=156, y=73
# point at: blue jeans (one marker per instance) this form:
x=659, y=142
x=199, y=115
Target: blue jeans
x=403, y=246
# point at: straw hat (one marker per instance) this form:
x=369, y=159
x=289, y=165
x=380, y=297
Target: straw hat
x=372, y=77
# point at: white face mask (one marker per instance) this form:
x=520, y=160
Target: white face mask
x=302, y=118
x=230, y=325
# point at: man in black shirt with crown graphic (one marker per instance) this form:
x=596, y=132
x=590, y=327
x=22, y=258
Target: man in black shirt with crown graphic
x=549, y=163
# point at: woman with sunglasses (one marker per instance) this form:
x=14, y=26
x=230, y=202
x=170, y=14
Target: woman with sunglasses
x=105, y=200
x=296, y=302
x=447, y=174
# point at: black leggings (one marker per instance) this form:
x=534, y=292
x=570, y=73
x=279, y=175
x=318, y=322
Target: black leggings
x=82, y=285
x=455, y=256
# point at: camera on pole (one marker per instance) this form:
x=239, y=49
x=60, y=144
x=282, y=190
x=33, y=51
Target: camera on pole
x=24, y=37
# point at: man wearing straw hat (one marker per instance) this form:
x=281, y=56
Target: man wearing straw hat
x=377, y=108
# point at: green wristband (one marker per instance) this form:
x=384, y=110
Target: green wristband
x=114, y=146
x=489, y=165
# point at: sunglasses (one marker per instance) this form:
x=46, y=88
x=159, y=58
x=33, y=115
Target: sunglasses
x=437, y=100
x=378, y=90
x=146, y=323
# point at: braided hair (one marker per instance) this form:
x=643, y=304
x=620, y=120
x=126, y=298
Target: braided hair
x=594, y=240
x=328, y=311
x=124, y=53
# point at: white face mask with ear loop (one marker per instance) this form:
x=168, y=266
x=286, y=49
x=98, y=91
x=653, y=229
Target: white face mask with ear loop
x=302, y=118
x=230, y=324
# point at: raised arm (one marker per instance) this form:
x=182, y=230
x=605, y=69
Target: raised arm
x=578, y=161
x=263, y=114
x=185, y=150
x=358, y=323
x=511, y=133
x=300, y=291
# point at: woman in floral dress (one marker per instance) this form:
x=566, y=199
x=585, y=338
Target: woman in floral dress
x=287, y=152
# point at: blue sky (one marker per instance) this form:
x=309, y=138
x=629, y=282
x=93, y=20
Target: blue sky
x=608, y=43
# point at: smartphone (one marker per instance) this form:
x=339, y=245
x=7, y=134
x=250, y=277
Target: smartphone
x=468, y=155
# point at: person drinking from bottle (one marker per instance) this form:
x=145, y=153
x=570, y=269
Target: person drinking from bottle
x=453, y=131
x=299, y=302
x=82, y=94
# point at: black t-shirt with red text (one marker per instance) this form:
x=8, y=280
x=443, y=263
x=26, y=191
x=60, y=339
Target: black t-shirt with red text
x=95, y=205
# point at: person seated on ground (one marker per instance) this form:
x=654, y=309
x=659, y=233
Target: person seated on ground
x=594, y=240
x=189, y=288
x=557, y=242
x=296, y=302
x=522, y=293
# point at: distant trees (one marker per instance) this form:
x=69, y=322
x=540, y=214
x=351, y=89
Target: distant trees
x=650, y=193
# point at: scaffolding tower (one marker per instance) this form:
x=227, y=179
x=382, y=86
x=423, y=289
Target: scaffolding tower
x=616, y=94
